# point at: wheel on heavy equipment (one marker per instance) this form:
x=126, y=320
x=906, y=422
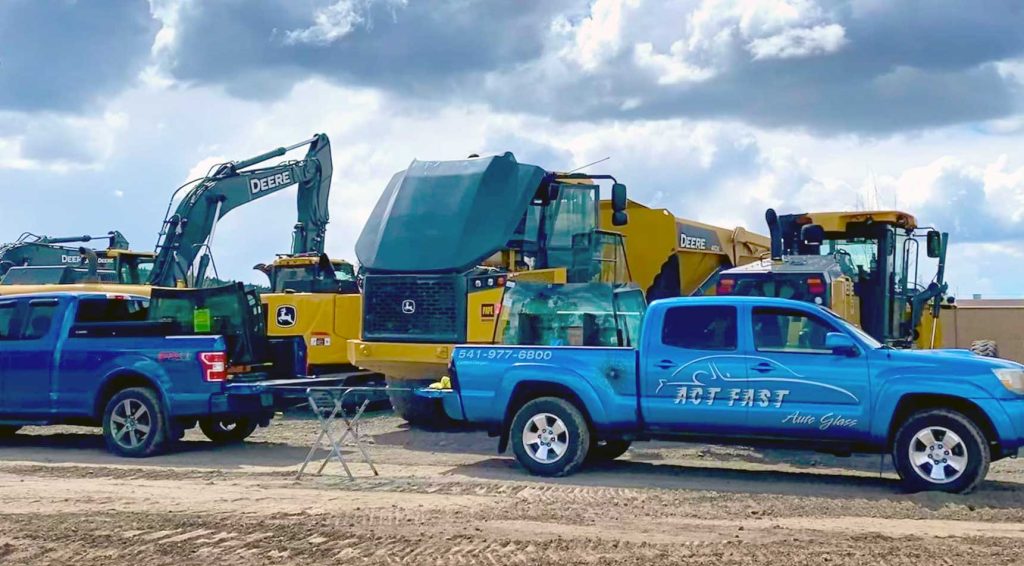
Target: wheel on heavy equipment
x=987, y=348
x=940, y=450
x=134, y=424
x=607, y=450
x=7, y=431
x=227, y=431
x=550, y=437
x=418, y=411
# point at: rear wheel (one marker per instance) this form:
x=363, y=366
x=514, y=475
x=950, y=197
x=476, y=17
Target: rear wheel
x=227, y=431
x=608, y=450
x=941, y=450
x=550, y=437
x=987, y=348
x=134, y=424
x=7, y=431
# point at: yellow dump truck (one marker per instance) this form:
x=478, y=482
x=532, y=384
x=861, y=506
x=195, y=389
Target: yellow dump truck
x=446, y=237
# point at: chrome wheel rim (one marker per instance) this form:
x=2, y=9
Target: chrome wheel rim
x=545, y=438
x=226, y=426
x=938, y=455
x=130, y=423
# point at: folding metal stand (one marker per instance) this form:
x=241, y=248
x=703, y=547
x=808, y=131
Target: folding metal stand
x=336, y=426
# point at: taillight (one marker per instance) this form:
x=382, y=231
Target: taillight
x=725, y=286
x=215, y=365
x=815, y=286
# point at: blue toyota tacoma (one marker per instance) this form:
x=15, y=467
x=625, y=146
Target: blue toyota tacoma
x=143, y=369
x=747, y=370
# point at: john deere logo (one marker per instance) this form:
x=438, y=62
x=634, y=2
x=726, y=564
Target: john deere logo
x=408, y=306
x=286, y=316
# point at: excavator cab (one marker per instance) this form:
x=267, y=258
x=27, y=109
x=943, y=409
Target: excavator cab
x=310, y=273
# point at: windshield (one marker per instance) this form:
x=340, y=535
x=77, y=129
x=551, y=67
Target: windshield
x=868, y=340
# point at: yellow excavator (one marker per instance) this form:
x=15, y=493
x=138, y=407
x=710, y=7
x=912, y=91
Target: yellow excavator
x=864, y=265
x=447, y=236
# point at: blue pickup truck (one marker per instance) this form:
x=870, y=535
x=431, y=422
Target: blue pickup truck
x=745, y=370
x=141, y=368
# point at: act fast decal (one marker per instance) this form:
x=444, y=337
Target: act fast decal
x=703, y=382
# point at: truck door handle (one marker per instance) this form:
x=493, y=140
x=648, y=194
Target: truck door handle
x=665, y=364
x=763, y=367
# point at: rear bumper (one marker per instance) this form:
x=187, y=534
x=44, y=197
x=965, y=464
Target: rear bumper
x=449, y=399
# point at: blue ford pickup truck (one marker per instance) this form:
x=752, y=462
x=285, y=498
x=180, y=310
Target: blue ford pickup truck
x=745, y=370
x=99, y=359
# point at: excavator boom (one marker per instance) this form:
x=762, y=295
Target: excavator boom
x=183, y=252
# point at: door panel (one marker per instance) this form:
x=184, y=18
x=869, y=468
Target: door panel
x=693, y=376
x=30, y=358
x=9, y=329
x=817, y=394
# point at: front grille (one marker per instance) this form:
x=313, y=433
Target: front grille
x=414, y=308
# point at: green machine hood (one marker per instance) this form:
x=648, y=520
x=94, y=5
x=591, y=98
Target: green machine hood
x=447, y=216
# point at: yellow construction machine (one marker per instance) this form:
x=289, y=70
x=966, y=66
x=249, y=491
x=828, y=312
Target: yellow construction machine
x=864, y=265
x=671, y=257
x=446, y=237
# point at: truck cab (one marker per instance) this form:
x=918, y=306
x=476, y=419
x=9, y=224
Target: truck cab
x=748, y=370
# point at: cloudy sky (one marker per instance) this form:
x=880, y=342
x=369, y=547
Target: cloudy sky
x=715, y=109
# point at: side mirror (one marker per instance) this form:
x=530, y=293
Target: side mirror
x=619, y=198
x=619, y=218
x=934, y=243
x=840, y=344
x=812, y=234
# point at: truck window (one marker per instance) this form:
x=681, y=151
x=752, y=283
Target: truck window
x=111, y=310
x=784, y=330
x=8, y=328
x=39, y=319
x=700, y=328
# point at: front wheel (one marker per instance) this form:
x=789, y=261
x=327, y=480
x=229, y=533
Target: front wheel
x=134, y=424
x=227, y=431
x=941, y=450
x=550, y=437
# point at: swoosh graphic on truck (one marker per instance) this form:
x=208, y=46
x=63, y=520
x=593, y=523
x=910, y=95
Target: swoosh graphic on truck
x=710, y=373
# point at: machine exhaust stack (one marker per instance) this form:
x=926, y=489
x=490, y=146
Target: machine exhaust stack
x=774, y=233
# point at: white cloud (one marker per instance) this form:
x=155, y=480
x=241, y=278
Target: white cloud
x=799, y=42
x=597, y=37
x=335, y=21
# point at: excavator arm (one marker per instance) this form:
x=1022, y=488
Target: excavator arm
x=183, y=252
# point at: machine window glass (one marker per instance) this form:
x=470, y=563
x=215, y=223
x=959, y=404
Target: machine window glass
x=575, y=214
x=39, y=320
x=8, y=319
x=783, y=330
x=700, y=328
x=860, y=254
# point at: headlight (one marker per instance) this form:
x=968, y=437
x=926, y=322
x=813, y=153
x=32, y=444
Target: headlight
x=1012, y=379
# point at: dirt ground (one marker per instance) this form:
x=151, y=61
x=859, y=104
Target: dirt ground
x=447, y=498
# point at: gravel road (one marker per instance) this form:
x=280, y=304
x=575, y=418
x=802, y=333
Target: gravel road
x=447, y=498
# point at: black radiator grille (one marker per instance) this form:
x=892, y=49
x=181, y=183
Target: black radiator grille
x=414, y=308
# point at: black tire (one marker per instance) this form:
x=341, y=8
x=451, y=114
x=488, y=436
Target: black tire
x=987, y=348
x=607, y=451
x=575, y=438
x=969, y=444
x=228, y=431
x=136, y=442
x=7, y=431
x=420, y=412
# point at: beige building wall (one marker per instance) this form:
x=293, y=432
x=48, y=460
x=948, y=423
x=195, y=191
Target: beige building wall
x=1001, y=320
